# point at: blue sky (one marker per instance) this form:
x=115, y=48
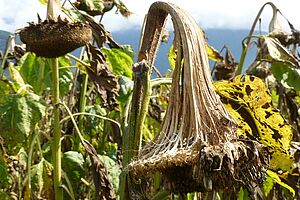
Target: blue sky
x=231, y=14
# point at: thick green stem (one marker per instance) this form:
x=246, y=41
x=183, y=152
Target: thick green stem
x=56, y=145
x=132, y=139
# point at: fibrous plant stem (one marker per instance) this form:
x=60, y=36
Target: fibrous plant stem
x=56, y=145
x=132, y=140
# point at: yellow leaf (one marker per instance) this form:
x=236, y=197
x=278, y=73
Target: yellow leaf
x=248, y=100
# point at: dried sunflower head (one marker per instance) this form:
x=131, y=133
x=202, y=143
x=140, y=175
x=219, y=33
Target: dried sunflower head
x=52, y=39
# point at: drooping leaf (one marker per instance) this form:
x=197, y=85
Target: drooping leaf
x=103, y=185
x=213, y=54
x=120, y=60
x=18, y=116
x=226, y=69
x=248, y=101
x=106, y=82
x=100, y=35
x=278, y=52
x=277, y=179
x=286, y=74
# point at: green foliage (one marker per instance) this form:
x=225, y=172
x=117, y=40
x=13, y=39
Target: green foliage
x=4, y=174
x=18, y=116
x=277, y=180
x=113, y=168
x=42, y=177
x=120, y=60
x=73, y=164
x=6, y=87
x=36, y=71
x=287, y=74
x=126, y=86
x=243, y=194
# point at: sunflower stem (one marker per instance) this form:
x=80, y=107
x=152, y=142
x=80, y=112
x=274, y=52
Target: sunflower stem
x=56, y=145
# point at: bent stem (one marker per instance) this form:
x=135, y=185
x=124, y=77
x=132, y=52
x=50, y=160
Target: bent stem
x=56, y=146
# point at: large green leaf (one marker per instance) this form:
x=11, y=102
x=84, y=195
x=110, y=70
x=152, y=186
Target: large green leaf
x=287, y=74
x=36, y=71
x=73, y=164
x=73, y=161
x=120, y=60
x=18, y=116
x=113, y=169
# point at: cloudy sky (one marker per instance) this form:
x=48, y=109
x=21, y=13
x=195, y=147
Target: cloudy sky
x=231, y=14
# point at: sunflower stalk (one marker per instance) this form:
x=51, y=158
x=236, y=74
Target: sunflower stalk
x=53, y=10
x=139, y=107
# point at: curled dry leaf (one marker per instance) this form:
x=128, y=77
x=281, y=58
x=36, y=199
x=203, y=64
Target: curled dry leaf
x=100, y=35
x=105, y=81
x=104, y=188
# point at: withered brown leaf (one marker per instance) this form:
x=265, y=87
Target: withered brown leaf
x=105, y=81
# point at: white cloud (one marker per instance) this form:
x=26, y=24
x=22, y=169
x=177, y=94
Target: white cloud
x=232, y=14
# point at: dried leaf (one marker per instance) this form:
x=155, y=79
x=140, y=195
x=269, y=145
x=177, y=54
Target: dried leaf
x=105, y=81
x=100, y=35
x=104, y=188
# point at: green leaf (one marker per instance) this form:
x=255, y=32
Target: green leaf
x=73, y=165
x=113, y=169
x=18, y=116
x=287, y=74
x=36, y=71
x=120, y=60
x=73, y=161
x=277, y=179
x=243, y=194
x=268, y=185
x=42, y=178
x=6, y=87
x=126, y=86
